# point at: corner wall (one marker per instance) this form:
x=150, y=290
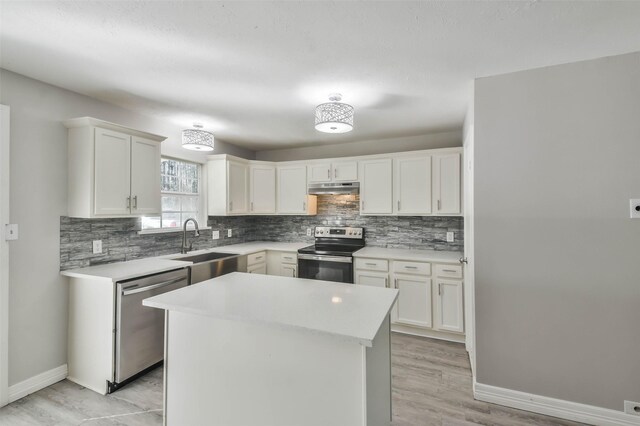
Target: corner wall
x=557, y=155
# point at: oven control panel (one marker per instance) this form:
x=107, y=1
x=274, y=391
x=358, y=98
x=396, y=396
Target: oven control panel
x=339, y=232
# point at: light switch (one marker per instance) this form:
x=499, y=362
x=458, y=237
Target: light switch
x=97, y=246
x=635, y=208
x=11, y=232
x=450, y=237
x=215, y=235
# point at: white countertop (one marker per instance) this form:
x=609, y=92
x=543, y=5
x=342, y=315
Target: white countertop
x=119, y=271
x=254, y=247
x=406, y=254
x=346, y=311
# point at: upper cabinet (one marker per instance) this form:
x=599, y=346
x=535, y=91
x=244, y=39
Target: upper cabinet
x=412, y=185
x=339, y=171
x=113, y=171
x=292, y=191
x=446, y=184
x=376, y=189
x=228, y=187
x=262, y=188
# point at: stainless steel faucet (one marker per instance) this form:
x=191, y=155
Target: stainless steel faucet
x=184, y=248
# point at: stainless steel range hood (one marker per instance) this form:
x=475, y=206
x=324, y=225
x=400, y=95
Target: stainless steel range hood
x=334, y=188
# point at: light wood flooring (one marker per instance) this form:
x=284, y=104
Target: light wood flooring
x=431, y=386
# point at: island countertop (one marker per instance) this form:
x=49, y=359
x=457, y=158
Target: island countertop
x=345, y=311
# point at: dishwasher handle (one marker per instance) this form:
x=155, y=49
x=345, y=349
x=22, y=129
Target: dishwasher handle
x=135, y=289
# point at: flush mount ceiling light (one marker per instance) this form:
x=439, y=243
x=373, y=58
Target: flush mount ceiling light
x=197, y=139
x=334, y=116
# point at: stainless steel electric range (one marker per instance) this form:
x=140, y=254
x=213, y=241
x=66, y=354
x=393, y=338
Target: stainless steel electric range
x=331, y=257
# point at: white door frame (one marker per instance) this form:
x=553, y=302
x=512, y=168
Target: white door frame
x=4, y=255
x=469, y=273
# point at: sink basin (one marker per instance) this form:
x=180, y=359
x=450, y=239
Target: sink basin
x=213, y=264
x=204, y=257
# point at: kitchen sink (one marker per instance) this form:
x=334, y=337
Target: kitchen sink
x=213, y=264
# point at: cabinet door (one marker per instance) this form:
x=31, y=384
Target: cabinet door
x=446, y=183
x=374, y=279
x=260, y=268
x=412, y=180
x=345, y=172
x=145, y=176
x=237, y=187
x=292, y=189
x=376, y=186
x=449, y=306
x=262, y=187
x=414, y=300
x=319, y=172
x=112, y=184
x=287, y=270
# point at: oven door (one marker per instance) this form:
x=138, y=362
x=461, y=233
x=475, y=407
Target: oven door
x=327, y=268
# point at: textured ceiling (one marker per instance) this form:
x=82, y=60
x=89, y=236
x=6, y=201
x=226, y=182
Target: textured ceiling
x=252, y=72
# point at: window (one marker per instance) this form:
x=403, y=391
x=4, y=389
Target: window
x=180, y=186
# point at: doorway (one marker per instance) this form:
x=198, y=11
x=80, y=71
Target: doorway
x=4, y=255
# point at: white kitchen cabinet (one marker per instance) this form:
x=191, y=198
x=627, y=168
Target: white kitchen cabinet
x=412, y=185
x=292, y=195
x=113, y=171
x=262, y=189
x=376, y=189
x=414, y=304
x=446, y=183
x=257, y=263
x=374, y=279
x=260, y=268
x=338, y=171
x=449, y=305
x=228, y=187
x=289, y=270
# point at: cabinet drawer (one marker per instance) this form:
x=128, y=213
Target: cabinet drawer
x=289, y=258
x=419, y=268
x=254, y=258
x=372, y=264
x=449, y=271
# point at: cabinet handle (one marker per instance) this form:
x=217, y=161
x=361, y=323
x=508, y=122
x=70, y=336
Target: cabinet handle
x=449, y=270
x=135, y=202
x=370, y=264
x=230, y=206
x=304, y=206
x=328, y=173
x=128, y=202
x=395, y=283
x=438, y=205
x=398, y=205
x=386, y=282
x=362, y=205
x=258, y=257
x=335, y=173
x=252, y=206
x=411, y=267
x=439, y=289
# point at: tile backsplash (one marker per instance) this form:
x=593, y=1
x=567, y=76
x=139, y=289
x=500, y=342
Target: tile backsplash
x=121, y=241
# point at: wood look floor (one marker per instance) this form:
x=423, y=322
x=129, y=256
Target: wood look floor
x=431, y=386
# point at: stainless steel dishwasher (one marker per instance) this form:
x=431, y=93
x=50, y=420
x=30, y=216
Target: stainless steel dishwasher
x=139, y=337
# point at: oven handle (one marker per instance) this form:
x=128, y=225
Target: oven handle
x=341, y=259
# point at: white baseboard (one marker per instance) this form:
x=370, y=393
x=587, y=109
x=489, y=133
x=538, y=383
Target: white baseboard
x=35, y=383
x=554, y=407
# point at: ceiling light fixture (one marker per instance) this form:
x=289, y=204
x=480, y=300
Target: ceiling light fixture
x=197, y=139
x=334, y=116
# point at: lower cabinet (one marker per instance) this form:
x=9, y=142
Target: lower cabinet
x=257, y=263
x=289, y=270
x=282, y=263
x=430, y=298
x=260, y=268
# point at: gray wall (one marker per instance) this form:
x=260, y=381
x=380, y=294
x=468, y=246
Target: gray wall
x=557, y=257
x=447, y=139
x=38, y=197
x=121, y=241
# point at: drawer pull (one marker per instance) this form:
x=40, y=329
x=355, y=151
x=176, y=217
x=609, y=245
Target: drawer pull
x=449, y=270
x=258, y=257
x=386, y=282
x=370, y=264
x=439, y=289
x=410, y=267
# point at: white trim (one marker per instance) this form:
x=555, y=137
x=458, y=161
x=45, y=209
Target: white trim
x=4, y=254
x=553, y=407
x=35, y=383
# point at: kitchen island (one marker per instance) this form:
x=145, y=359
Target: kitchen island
x=246, y=349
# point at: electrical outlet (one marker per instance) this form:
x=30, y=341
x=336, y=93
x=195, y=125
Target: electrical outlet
x=631, y=407
x=229, y=233
x=450, y=237
x=635, y=208
x=308, y=232
x=97, y=246
x=11, y=232
x=215, y=235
